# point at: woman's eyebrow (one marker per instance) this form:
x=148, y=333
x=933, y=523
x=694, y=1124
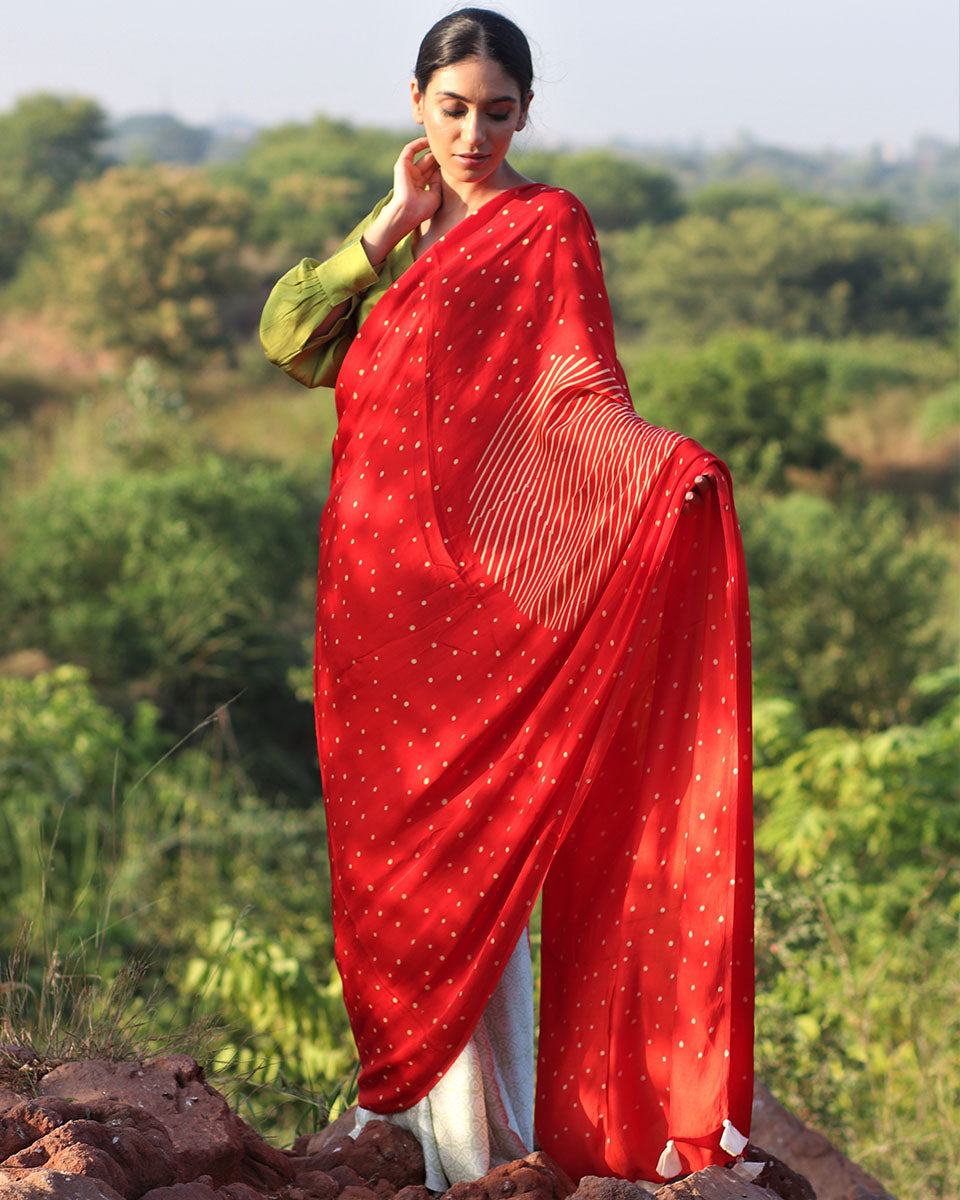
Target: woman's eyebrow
x=492, y=100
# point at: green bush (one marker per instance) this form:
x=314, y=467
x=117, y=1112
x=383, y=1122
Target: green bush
x=185, y=577
x=858, y=914
x=752, y=399
x=800, y=270
x=844, y=606
x=65, y=760
x=115, y=852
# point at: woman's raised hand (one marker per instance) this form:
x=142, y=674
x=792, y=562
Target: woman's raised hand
x=416, y=197
x=701, y=487
x=416, y=182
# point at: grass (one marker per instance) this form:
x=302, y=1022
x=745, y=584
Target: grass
x=61, y=1006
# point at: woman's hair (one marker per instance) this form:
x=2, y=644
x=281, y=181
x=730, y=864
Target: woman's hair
x=475, y=33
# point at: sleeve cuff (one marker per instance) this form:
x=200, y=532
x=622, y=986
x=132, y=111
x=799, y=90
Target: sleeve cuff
x=346, y=273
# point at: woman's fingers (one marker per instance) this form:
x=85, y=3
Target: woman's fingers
x=411, y=149
x=701, y=485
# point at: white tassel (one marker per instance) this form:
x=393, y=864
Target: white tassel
x=669, y=1163
x=732, y=1140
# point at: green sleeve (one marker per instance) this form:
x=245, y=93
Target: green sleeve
x=304, y=297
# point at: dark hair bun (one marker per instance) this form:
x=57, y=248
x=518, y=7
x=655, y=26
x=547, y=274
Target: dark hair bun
x=475, y=33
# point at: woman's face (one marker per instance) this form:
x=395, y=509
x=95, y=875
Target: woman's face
x=470, y=111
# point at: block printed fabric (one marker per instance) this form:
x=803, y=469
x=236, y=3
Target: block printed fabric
x=532, y=673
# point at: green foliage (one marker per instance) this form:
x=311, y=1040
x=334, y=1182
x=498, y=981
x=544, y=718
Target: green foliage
x=63, y=757
x=857, y=937
x=117, y=853
x=755, y=401
x=864, y=801
x=147, y=261
x=843, y=600
x=619, y=192
x=182, y=577
x=182, y=580
x=285, y=1013
x=301, y=215
x=800, y=270
x=310, y=184
x=719, y=200
x=47, y=144
x=941, y=412
x=863, y=368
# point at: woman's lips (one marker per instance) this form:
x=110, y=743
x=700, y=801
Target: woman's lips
x=471, y=160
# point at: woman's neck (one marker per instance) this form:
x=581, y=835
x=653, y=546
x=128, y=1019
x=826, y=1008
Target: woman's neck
x=463, y=199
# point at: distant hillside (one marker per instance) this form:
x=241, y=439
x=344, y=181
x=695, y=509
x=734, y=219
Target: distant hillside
x=164, y=138
x=918, y=184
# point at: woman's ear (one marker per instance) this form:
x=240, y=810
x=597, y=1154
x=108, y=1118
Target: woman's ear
x=416, y=102
x=524, y=110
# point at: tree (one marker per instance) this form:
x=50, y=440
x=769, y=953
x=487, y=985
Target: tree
x=148, y=261
x=754, y=400
x=47, y=144
x=158, y=138
x=799, y=269
x=180, y=582
x=619, y=192
x=844, y=604
x=310, y=184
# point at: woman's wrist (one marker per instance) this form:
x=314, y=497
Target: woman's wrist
x=390, y=227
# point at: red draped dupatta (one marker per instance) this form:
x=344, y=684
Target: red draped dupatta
x=533, y=673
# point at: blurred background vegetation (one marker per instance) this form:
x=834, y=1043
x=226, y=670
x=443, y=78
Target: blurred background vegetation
x=160, y=486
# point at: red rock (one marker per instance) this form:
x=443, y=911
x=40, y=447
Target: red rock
x=467, y=1189
x=263, y=1166
x=712, y=1183
x=563, y=1184
x=239, y=1191
x=8, y=1099
x=346, y=1176
x=183, y=1191
x=312, y=1143
x=536, y=1175
x=382, y=1151
x=357, y=1193
x=42, y=1184
x=206, y=1136
x=599, y=1187
x=318, y=1185
x=777, y=1177
x=831, y=1174
x=76, y=1148
x=305, y=1162
x=30, y=1119
x=413, y=1191
x=385, y=1189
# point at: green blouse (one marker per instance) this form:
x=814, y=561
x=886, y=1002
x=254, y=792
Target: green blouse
x=308, y=293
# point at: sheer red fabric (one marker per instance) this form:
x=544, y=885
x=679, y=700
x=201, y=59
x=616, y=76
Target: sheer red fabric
x=532, y=673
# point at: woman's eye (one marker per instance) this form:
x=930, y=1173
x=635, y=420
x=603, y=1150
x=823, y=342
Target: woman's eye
x=498, y=116
x=451, y=112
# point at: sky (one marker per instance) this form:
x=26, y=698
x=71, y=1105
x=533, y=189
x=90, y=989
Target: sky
x=809, y=74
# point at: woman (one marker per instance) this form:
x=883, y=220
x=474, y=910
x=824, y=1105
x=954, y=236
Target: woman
x=532, y=671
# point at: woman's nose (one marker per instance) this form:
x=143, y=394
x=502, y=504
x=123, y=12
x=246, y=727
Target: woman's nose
x=471, y=128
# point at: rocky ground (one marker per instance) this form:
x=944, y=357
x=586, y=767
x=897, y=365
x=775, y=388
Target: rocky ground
x=157, y=1131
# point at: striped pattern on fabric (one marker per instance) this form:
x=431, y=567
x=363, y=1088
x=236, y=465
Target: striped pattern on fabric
x=560, y=487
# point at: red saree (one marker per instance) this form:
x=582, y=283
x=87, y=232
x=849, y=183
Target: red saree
x=533, y=672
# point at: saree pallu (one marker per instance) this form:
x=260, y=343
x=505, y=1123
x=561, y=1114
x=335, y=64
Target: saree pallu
x=532, y=673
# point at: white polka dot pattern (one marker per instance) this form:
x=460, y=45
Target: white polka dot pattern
x=532, y=672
